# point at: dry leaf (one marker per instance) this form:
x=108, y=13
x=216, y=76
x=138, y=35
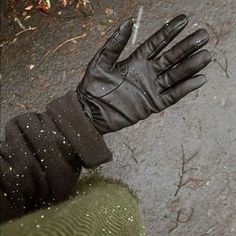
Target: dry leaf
x=63, y=3
x=194, y=183
x=29, y=7
x=109, y=11
x=44, y=5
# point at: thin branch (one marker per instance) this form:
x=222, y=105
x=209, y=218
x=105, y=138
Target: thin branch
x=176, y=222
x=183, y=170
x=224, y=68
x=67, y=41
x=189, y=159
x=10, y=41
x=181, y=174
x=17, y=20
x=25, y=30
x=131, y=150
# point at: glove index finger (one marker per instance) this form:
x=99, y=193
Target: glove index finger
x=116, y=44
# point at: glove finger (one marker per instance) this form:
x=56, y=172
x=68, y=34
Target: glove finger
x=173, y=95
x=153, y=45
x=182, y=50
x=186, y=69
x=114, y=46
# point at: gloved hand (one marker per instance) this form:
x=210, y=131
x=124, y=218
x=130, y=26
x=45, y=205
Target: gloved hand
x=118, y=94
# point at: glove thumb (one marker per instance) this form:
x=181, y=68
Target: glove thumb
x=114, y=46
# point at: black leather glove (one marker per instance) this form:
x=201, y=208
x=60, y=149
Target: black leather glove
x=118, y=94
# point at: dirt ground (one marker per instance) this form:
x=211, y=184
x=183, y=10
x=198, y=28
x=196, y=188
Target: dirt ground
x=181, y=162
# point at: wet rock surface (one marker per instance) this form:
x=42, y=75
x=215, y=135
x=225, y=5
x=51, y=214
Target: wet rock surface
x=181, y=161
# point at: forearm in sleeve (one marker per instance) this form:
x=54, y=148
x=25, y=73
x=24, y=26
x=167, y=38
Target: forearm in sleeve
x=43, y=153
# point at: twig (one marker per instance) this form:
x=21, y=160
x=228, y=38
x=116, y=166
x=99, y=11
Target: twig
x=131, y=150
x=67, y=41
x=176, y=222
x=59, y=46
x=4, y=43
x=189, y=159
x=183, y=170
x=224, y=68
x=29, y=29
x=17, y=20
x=181, y=174
x=10, y=41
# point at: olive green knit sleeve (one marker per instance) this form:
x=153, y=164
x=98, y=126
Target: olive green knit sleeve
x=99, y=207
